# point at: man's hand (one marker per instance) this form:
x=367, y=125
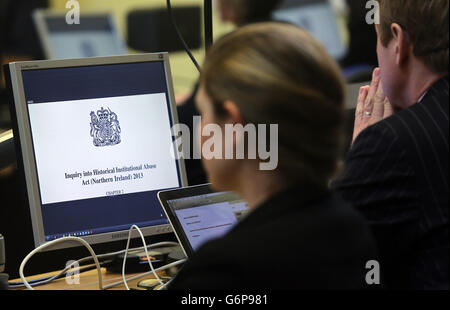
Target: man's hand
x=373, y=105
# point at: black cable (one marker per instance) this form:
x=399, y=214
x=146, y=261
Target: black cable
x=180, y=36
x=207, y=13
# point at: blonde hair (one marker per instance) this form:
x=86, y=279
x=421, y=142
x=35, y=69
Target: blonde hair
x=279, y=74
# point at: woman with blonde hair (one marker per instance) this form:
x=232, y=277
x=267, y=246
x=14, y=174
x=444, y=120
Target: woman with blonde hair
x=298, y=235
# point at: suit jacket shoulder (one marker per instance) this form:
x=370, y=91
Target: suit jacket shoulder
x=397, y=175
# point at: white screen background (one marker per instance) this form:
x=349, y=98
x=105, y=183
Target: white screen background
x=62, y=143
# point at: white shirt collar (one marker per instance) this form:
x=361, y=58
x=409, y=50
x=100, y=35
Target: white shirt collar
x=423, y=96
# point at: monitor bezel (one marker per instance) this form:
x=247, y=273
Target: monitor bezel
x=23, y=137
x=39, y=18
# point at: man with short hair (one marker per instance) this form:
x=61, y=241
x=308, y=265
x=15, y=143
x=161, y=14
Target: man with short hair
x=397, y=172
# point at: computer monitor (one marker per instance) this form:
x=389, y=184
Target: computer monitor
x=95, y=138
x=319, y=18
x=95, y=35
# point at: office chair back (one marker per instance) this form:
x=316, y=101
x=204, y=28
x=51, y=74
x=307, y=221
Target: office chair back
x=150, y=30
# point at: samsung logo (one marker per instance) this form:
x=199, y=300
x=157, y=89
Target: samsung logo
x=119, y=236
x=29, y=67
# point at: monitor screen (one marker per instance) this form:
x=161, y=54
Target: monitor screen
x=101, y=141
x=206, y=217
x=95, y=35
x=319, y=18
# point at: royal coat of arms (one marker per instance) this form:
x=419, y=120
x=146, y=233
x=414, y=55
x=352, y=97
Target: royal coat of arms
x=105, y=128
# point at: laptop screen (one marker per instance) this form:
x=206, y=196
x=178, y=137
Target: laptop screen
x=101, y=138
x=206, y=217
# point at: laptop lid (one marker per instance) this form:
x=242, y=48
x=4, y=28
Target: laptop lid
x=198, y=214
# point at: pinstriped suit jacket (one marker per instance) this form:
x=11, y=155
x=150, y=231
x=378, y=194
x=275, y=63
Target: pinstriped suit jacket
x=397, y=175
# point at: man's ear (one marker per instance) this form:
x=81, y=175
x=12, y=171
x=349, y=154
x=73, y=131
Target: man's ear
x=233, y=114
x=403, y=46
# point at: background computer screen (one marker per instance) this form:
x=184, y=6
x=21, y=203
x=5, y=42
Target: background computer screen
x=101, y=138
x=94, y=36
x=319, y=18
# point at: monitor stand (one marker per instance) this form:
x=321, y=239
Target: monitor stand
x=3, y=281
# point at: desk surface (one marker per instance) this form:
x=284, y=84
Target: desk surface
x=88, y=281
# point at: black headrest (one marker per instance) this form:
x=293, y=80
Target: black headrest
x=150, y=30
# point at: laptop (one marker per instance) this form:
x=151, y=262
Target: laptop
x=199, y=214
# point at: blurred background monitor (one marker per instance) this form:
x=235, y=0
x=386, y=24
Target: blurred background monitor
x=319, y=18
x=95, y=36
